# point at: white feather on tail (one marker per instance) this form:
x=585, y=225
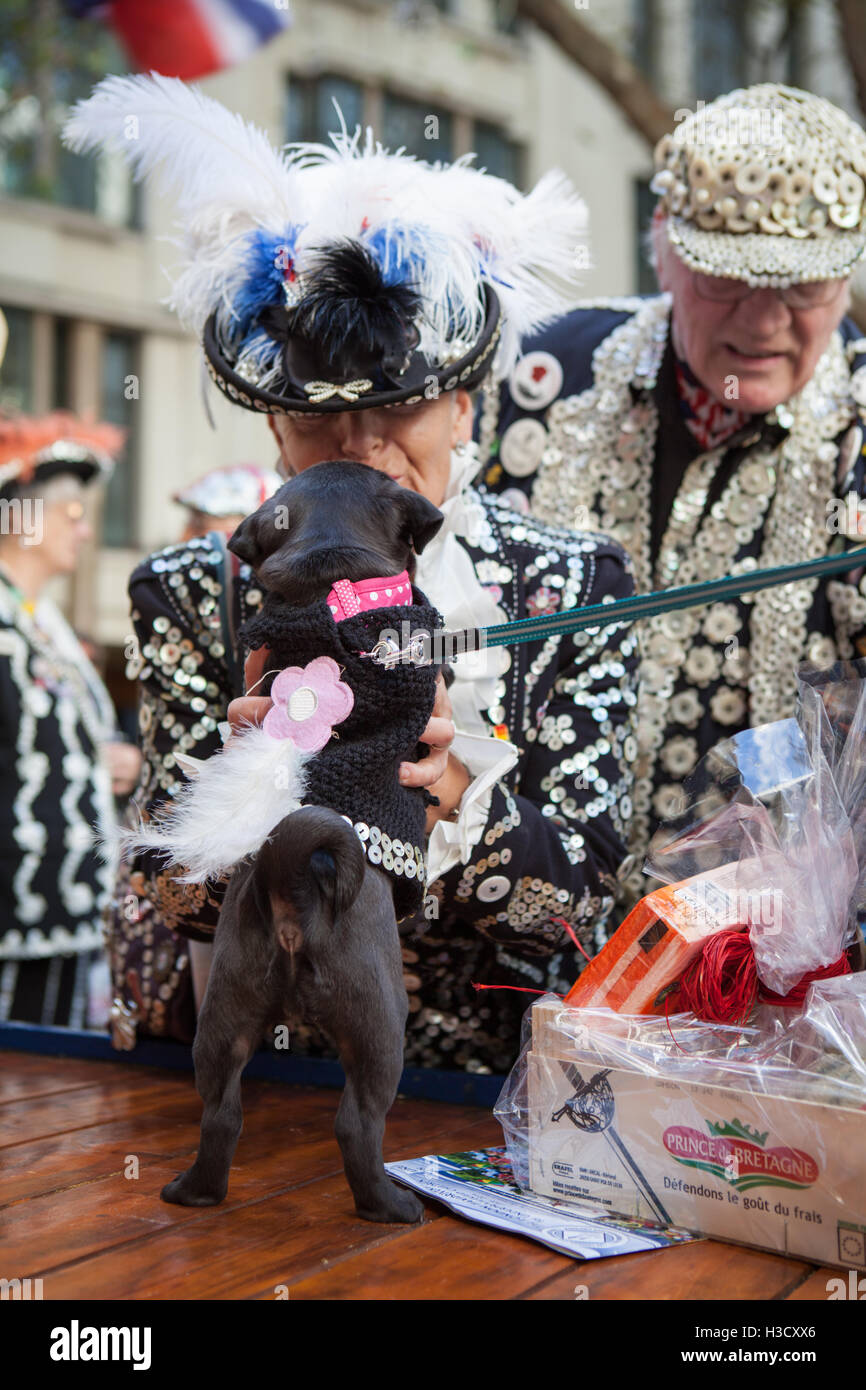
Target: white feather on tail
x=238, y=796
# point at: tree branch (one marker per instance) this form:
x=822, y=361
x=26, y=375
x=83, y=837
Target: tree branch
x=624, y=83
x=852, y=26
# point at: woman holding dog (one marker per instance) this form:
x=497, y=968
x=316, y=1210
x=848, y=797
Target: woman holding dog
x=356, y=301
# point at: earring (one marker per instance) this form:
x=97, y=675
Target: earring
x=460, y=447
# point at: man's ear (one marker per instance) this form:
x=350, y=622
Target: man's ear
x=421, y=520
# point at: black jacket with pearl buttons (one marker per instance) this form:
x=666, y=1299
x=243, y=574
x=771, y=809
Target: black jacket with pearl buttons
x=554, y=836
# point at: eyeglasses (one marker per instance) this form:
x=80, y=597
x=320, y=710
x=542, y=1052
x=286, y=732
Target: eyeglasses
x=719, y=289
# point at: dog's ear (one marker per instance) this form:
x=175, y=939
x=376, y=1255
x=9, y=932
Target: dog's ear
x=256, y=537
x=421, y=520
x=244, y=542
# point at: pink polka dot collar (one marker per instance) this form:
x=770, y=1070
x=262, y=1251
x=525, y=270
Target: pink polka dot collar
x=347, y=599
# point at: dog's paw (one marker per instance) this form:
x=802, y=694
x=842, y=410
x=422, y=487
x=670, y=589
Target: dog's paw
x=398, y=1204
x=185, y=1191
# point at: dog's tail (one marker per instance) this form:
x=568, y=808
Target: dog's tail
x=313, y=864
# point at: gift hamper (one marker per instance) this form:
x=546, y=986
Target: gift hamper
x=708, y=1068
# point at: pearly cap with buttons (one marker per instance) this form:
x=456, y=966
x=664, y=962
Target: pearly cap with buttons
x=767, y=184
x=234, y=490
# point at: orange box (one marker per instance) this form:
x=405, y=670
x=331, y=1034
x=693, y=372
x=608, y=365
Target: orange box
x=658, y=940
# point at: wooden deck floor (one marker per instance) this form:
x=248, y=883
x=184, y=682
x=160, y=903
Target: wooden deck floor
x=70, y=1131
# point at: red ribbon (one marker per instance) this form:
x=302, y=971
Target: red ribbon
x=722, y=985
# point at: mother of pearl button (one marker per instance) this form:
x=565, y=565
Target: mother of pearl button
x=302, y=703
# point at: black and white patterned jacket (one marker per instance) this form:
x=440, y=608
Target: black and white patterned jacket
x=553, y=830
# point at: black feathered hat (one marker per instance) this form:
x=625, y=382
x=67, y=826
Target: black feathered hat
x=340, y=279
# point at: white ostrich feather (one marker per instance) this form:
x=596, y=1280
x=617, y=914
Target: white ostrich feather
x=205, y=155
x=461, y=226
x=237, y=798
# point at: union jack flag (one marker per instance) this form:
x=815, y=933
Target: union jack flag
x=188, y=38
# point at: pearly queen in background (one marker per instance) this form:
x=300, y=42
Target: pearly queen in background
x=718, y=427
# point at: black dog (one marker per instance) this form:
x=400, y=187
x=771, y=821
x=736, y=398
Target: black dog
x=308, y=925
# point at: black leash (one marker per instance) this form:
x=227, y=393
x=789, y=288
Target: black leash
x=425, y=647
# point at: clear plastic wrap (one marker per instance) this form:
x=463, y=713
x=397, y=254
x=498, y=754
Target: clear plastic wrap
x=841, y=693
x=767, y=801
x=754, y=1134
x=819, y=1055
x=752, y=1131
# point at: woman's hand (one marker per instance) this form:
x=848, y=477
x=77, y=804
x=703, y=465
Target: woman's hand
x=250, y=709
x=247, y=709
x=440, y=772
x=124, y=764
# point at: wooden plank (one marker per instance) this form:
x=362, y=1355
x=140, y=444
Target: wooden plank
x=442, y=1260
x=702, y=1270
x=168, y=1126
x=816, y=1287
x=135, y=1091
x=42, y=1116
x=66, y=1160
x=259, y=1238
x=23, y=1075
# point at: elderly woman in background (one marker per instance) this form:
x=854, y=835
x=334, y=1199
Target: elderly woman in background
x=718, y=427
x=61, y=759
x=158, y=976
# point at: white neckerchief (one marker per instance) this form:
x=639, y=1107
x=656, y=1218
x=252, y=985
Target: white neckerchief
x=446, y=574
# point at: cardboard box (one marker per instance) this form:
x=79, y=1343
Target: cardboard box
x=785, y=1175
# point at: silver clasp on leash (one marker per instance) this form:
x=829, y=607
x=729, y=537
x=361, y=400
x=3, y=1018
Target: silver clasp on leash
x=389, y=653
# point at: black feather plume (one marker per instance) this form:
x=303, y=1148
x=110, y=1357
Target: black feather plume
x=351, y=314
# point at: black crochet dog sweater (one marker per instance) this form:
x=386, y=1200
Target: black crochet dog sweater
x=356, y=773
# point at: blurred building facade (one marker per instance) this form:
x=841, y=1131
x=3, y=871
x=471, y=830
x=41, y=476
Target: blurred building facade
x=82, y=265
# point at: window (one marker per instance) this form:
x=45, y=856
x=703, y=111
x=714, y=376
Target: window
x=799, y=49
x=645, y=202
x=418, y=127
x=719, y=47
x=16, y=378
x=311, y=113
x=62, y=372
x=496, y=153
x=120, y=407
x=28, y=377
x=644, y=37
x=505, y=16
x=44, y=69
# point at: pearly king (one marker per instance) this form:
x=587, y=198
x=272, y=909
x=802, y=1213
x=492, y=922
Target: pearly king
x=617, y=436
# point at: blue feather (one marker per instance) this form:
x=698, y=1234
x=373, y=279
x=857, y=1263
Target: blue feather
x=400, y=253
x=266, y=258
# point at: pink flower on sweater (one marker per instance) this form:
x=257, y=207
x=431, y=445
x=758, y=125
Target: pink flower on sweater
x=308, y=701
